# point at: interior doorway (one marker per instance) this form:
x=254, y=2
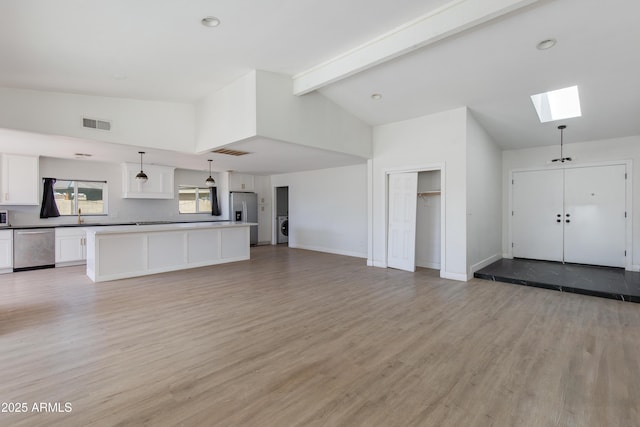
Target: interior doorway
x=282, y=215
x=415, y=226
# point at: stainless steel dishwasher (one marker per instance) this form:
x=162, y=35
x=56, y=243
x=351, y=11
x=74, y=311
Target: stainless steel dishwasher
x=34, y=248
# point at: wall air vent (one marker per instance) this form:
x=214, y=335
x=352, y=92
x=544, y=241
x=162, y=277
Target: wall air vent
x=96, y=124
x=230, y=152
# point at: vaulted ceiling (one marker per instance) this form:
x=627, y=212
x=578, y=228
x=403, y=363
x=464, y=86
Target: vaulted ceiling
x=158, y=50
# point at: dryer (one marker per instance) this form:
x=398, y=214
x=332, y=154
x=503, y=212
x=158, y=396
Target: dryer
x=283, y=229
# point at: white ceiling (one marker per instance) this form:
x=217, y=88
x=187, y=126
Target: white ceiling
x=493, y=69
x=164, y=52
x=157, y=49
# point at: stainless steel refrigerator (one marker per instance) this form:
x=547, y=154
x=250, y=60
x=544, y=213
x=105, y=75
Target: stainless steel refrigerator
x=244, y=208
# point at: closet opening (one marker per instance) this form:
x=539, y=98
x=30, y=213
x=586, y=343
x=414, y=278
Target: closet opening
x=415, y=229
x=428, y=220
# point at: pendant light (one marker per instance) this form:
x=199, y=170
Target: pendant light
x=141, y=177
x=562, y=159
x=210, y=181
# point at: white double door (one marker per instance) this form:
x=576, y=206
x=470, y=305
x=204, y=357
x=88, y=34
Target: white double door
x=575, y=215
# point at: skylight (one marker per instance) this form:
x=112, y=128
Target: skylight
x=557, y=104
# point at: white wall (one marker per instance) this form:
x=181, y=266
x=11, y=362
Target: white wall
x=327, y=209
x=258, y=104
x=227, y=115
x=265, y=222
x=155, y=124
x=311, y=119
x=120, y=210
x=484, y=196
x=416, y=144
x=616, y=149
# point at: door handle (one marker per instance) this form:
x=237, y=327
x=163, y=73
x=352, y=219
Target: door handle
x=32, y=232
x=568, y=220
x=558, y=220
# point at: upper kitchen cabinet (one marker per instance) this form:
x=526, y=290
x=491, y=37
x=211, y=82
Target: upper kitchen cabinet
x=241, y=182
x=158, y=186
x=20, y=178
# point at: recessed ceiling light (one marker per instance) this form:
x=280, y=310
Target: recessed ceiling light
x=546, y=44
x=376, y=96
x=210, y=21
x=82, y=155
x=557, y=104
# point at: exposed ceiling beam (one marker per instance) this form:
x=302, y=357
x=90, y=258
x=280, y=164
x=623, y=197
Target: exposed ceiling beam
x=452, y=18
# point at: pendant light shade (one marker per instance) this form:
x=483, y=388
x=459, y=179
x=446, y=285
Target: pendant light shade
x=141, y=177
x=562, y=159
x=210, y=181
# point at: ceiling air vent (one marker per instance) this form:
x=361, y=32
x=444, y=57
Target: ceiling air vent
x=96, y=124
x=230, y=152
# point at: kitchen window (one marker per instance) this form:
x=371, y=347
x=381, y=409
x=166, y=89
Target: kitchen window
x=88, y=196
x=194, y=199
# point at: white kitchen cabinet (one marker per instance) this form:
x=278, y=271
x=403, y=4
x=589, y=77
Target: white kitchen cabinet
x=158, y=186
x=241, y=182
x=71, y=246
x=6, y=251
x=20, y=179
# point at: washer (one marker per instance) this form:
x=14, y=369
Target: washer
x=283, y=229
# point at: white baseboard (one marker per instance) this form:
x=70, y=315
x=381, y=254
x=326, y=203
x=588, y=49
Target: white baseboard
x=454, y=276
x=328, y=250
x=424, y=264
x=507, y=256
x=482, y=264
x=635, y=267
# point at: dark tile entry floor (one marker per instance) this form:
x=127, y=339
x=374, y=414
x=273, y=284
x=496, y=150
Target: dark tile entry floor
x=606, y=282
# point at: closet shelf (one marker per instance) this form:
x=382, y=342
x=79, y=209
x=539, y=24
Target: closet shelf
x=429, y=193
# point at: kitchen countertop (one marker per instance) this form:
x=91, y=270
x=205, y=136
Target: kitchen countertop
x=106, y=224
x=163, y=226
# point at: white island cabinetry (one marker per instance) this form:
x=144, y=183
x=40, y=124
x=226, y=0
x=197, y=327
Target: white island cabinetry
x=118, y=252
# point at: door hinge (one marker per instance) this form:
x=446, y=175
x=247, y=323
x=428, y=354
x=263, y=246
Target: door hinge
x=625, y=253
x=511, y=213
x=513, y=181
x=511, y=244
x=625, y=214
x=625, y=175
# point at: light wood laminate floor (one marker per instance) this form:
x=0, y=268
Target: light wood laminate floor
x=300, y=338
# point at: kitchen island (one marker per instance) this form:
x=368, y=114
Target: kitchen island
x=118, y=252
